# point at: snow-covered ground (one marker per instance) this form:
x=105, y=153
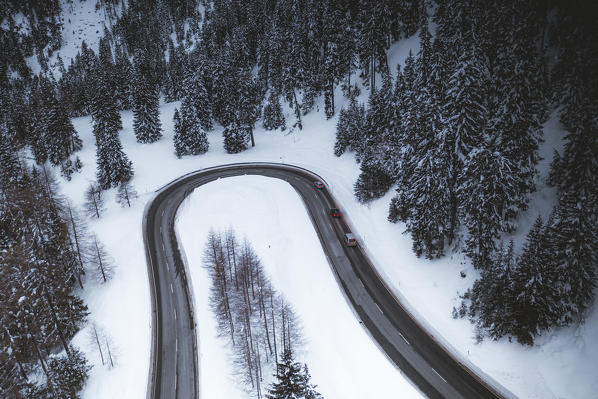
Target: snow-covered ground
x=343, y=360
x=563, y=364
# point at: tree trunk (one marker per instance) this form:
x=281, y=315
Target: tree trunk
x=100, y=263
x=55, y=319
x=297, y=111
x=76, y=237
x=274, y=330
x=97, y=339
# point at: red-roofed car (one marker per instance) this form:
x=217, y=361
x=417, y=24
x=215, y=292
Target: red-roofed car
x=350, y=240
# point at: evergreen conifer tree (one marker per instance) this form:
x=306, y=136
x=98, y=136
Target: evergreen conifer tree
x=53, y=127
x=146, y=113
x=492, y=296
x=196, y=101
x=273, y=117
x=574, y=256
x=189, y=137
x=288, y=384
x=485, y=194
x=373, y=181
x=429, y=203
x=236, y=138
x=123, y=70
x=67, y=375
x=113, y=165
x=292, y=380
x=350, y=128
x=537, y=303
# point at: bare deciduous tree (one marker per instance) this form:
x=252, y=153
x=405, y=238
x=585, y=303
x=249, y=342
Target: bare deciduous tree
x=94, y=201
x=126, y=194
x=101, y=340
x=248, y=311
x=99, y=259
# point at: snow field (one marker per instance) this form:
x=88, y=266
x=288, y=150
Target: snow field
x=343, y=360
x=563, y=364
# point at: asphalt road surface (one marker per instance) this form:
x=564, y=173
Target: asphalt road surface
x=173, y=366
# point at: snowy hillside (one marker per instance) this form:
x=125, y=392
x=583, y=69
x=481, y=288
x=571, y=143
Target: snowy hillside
x=562, y=365
x=444, y=130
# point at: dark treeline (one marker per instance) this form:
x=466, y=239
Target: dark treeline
x=42, y=36
x=40, y=268
x=222, y=58
x=458, y=130
x=553, y=281
x=259, y=325
x=46, y=256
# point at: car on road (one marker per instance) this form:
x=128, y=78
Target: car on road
x=319, y=184
x=350, y=240
x=335, y=212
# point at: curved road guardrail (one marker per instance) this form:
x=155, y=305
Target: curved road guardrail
x=433, y=368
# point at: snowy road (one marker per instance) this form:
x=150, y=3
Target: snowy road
x=173, y=370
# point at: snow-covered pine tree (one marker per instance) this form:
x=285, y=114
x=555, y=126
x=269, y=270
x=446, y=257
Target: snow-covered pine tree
x=196, y=100
x=373, y=181
x=10, y=165
x=465, y=108
x=180, y=131
x=372, y=42
x=173, y=88
x=574, y=255
x=249, y=100
x=424, y=180
x=236, y=138
x=273, y=117
x=103, y=108
x=406, y=132
x=189, y=136
x=429, y=203
x=330, y=67
x=309, y=389
x=114, y=166
x=61, y=138
x=491, y=297
x=53, y=127
x=292, y=380
x=579, y=165
x=350, y=128
x=66, y=376
x=517, y=98
x=379, y=124
x=536, y=303
x=105, y=64
x=123, y=70
x=485, y=192
x=376, y=151
x=146, y=113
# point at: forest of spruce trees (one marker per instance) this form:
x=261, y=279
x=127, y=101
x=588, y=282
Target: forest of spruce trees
x=454, y=132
